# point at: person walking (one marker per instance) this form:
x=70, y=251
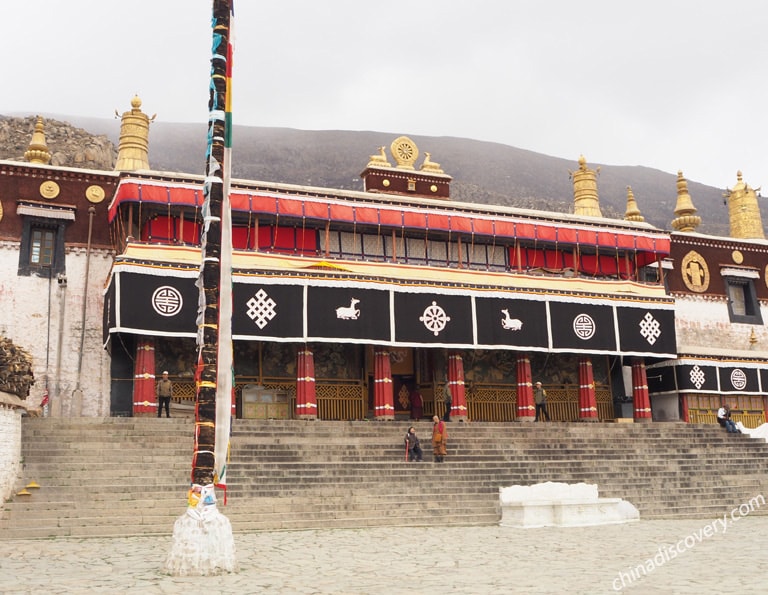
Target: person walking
x=417, y=403
x=439, y=439
x=164, y=392
x=414, y=449
x=540, y=397
x=448, y=400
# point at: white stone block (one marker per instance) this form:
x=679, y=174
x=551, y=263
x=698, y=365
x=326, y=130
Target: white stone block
x=561, y=505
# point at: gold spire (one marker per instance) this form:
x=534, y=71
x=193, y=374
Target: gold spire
x=133, y=147
x=38, y=151
x=632, y=213
x=585, y=199
x=743, y=211
x=686, y=218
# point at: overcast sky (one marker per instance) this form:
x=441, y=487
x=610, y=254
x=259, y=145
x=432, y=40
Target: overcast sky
x=670, y=84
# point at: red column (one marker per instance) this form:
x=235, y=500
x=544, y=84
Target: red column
x=383, y=399
x=458, y=391
x=686, y=415
x=306, y=397
x=640, y=398
x=526, y=410
x=144, y=399
x=587, y=400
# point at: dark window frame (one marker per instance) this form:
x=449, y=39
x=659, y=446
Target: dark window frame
x=58, y=265
x=751, y=313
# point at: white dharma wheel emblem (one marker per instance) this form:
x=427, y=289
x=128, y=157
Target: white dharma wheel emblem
x=434, y=318
x=167, y=301
x=739, y=379
x=584, y=327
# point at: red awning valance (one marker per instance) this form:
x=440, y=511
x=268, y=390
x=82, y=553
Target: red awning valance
x=345, y=210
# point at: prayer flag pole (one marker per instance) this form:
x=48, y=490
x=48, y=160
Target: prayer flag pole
x=202, y=537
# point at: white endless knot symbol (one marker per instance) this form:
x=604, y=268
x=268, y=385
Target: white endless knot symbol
x=167, y=301
x=434, y=318
x=739, y=379
x=584, y=326
x=261, y=308
x=697, y=376
x=650, y=328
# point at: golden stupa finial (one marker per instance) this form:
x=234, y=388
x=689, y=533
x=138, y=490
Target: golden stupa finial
x=430, y=166
x=133, y=146
x=743, y=211
x=380, y=159
x=686, y=218
x=585, y=198
x=633, y=212
x=38, y=151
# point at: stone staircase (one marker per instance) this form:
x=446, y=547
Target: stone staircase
x=129, y=476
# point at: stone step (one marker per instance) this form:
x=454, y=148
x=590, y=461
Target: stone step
x=290, y=474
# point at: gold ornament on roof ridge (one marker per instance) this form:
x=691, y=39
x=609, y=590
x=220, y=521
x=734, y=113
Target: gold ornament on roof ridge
x=585, y=197
x=686, y=218
x=380, y=159
x=743, y=211
x=133, y=145
x=633, y=212
x=405, y=152
x=38, y=150
x=430, y=166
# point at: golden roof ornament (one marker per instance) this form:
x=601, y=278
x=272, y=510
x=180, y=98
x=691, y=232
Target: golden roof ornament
x=380, y=159
x=585, y=198
x=133, y=146
x=633, y=212
x=686, y=218
x=405, y=152
x=38, y=151
x=743, y=211
x=429, y=166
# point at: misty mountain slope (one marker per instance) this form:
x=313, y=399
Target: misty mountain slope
x=483, y=172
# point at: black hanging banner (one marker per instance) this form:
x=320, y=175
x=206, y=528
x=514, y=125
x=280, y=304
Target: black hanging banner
x=263, y=311
x=156, y=305
x=697, y=378
x=582, y=327
x=643, y=330
x=433, y=319
x=348, y=313
x=503, y=322
x=164, y=303
x=739, y=380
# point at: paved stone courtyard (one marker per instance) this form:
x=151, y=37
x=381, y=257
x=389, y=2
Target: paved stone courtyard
x=683, y=556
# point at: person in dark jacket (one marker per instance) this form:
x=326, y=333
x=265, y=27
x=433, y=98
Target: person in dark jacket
x=414, y=448
x=540, y=397
x=164, y=392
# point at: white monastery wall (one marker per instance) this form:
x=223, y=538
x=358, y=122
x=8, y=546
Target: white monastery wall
x=704, y=323
x=45, y=318
x=10, y=448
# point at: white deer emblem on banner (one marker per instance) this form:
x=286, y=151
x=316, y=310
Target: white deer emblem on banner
x=348, y=312
x=510, y=324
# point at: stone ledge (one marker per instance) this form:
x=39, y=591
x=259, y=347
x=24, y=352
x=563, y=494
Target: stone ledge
x=561, y=505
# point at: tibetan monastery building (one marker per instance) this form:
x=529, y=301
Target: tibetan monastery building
x=720, y=287
x=346, y=303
